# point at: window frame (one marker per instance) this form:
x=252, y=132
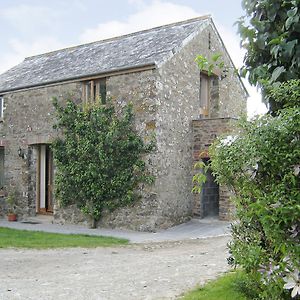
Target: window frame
x=93, y=91
x=204, y=103
x=1, y=108
x=2, y=161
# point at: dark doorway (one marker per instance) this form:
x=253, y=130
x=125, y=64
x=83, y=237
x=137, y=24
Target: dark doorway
x=210, y=197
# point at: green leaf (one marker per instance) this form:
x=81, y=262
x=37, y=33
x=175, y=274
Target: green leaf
x=277, y=72
x=275, y=41
x=275, y=50
x=260, y=42
x=272, y=13
x=243, y=72
x=289, y=21
x=289, y=47
x=292, y=12
x=216, y=56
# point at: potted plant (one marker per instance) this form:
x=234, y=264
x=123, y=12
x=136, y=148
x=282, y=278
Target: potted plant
x=11, y=204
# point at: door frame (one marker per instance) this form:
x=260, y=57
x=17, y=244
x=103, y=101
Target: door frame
x=44, y=179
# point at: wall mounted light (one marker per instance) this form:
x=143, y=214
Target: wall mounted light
x=22, y=153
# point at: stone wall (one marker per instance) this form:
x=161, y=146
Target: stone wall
x=165, y=101
x=232, y=98
x=205, y=132
x=28, y=120
x=140, y=90
x=179, y=104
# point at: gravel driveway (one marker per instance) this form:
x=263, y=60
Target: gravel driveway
x=144, y=271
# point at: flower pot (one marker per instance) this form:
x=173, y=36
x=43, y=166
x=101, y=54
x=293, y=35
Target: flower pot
x=3, y=193
x=12, y=217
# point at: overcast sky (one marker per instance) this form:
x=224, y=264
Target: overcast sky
x=31, y=27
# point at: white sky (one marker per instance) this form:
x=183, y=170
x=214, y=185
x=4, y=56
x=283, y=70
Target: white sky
x=31, y=27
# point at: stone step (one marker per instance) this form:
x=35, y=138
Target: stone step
x=39, y=219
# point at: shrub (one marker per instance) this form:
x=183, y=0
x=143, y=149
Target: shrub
x=98, y=158
x=260, y=163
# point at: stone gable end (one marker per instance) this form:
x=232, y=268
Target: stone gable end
x=166, y=103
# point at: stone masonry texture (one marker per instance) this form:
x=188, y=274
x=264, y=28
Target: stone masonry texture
x=205, y=132
x=166, y=105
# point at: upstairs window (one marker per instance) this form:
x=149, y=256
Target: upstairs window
x=204, y=94
x=1, y=107
x=94, y=91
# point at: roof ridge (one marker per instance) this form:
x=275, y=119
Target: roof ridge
x=204, y=17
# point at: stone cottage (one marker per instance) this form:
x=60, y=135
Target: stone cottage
x=154, y=69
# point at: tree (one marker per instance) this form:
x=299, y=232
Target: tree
x=260, y=164
x=260, y=161
x=270, y=32
x=98, y=158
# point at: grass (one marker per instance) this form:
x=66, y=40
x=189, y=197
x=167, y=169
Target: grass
x=223, y=288
x=13, y=238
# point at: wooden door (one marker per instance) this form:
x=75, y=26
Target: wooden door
x=45, y=180
x=49, y=180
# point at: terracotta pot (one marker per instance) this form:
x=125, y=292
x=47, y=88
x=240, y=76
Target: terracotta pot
x=12, y=217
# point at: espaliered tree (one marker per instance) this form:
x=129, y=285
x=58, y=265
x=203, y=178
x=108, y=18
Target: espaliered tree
x=98, y=158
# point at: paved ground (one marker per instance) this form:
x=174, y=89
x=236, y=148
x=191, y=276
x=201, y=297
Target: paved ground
x=195, y=229
x=137, y=272
x=159, y=265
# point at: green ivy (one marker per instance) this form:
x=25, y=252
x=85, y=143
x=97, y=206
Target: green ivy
x=98, y=158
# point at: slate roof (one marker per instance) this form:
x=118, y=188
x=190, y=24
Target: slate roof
x=148, y=47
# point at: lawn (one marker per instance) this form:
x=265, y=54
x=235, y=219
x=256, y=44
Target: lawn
x=224, y=288
x=13, y=238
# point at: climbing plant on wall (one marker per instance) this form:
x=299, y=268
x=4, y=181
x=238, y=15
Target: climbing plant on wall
x=98, y=158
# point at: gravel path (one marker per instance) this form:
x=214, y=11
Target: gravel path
x=144, y=271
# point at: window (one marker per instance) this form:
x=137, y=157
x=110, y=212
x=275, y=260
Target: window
x=94, y=91
x=204, y=94
x=1, y=107
x=1, y=167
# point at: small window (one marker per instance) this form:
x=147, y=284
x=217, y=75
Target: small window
x=1, y=167
x=94, y=91
x=204, y=94
x=1, y=107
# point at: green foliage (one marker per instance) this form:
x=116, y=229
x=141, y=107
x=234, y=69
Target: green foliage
x=13, y=238
x=199, y=178
x=287, y=93
x=224, y=288
x=270, y=33
x=260, y=163
x=98, y=158
x=214, y=64
x=247, y=285
x=11, y=200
